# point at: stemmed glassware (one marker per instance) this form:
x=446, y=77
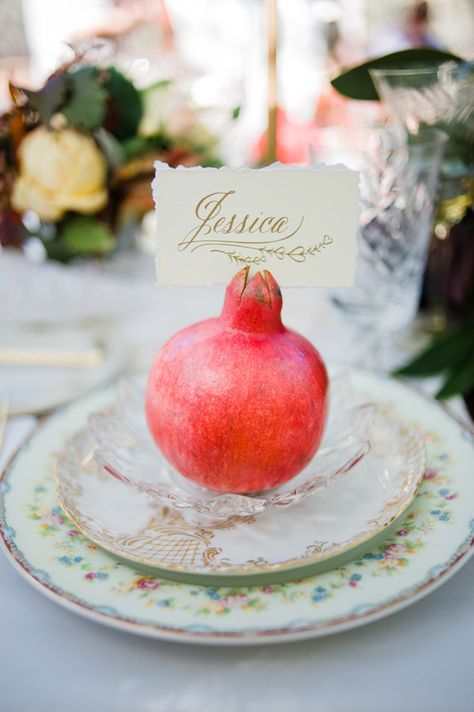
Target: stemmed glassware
x=441, y=97
x=398, y=181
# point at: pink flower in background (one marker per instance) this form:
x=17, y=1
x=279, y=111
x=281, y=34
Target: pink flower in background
x=395, y=551
x=53, y=519
x=146, y=584
x=402, y=532
x=354, y=579
x=99, y=575
x=237, y=598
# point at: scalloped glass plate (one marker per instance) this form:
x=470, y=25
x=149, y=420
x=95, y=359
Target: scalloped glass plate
x=123, y=448
x=316, y=532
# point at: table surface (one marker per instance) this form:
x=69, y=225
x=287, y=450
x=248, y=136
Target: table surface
x=417, y=660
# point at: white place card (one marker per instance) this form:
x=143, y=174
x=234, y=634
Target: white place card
x=298, y=223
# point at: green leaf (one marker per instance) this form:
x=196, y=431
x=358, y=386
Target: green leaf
x=58, y=252
x=459, y=381
x=125, y=105
x=81, y=234
x=356, y=83
x=212, y=163
x=445, y=352
x=110, y=147
x=87, y=104
x=236, y=112
x=140, y=145
x=156, y=85
x=48, y=100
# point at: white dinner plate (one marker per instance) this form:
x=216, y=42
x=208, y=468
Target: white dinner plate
x=36, y=388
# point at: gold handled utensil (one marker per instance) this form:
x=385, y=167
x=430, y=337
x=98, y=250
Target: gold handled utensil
x=85, y=358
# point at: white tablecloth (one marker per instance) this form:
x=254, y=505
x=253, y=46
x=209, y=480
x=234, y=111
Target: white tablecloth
x=418, y=660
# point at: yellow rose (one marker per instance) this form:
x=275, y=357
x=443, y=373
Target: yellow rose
x=59, y=170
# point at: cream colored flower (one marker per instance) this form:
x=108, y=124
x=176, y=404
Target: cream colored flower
x=166, y=109
x=158, y=105
x=59, y=171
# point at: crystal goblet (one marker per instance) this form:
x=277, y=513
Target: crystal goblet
x=398, y=181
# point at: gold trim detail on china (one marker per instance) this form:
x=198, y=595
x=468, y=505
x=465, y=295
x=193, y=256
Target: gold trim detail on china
x=313, y=629
x=192, y=544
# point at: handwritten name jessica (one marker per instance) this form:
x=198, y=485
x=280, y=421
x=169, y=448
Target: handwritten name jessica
x=214, y=223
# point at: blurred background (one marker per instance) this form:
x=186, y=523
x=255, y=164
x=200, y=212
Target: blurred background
x=92, y=92
x=217, y=49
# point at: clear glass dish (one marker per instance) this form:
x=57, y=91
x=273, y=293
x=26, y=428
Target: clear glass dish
x=124, y=449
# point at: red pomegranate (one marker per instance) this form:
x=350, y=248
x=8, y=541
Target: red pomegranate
x=238, y=403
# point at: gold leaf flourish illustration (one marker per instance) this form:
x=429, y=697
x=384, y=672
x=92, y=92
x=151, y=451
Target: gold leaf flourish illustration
x=297, y=254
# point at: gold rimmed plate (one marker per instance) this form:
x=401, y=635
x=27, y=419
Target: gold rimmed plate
x=317, y=534
x=432, y=542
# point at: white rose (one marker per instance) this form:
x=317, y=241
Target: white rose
x=166, y=109
x=157, y=103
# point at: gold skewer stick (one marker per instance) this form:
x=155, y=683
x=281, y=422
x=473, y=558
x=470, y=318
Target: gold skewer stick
x=166, y=25
x=272, y=23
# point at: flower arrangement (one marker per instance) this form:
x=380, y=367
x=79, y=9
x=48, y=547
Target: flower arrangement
x=76, y=157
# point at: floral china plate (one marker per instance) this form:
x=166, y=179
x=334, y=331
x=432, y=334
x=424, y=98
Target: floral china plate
x=313, y=535
x=432, y=541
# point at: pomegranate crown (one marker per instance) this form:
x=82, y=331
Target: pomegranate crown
x=253, y=304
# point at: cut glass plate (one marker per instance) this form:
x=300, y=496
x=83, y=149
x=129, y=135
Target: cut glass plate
x=124, y=448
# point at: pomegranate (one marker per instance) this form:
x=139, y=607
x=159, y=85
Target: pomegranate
x=238, y=403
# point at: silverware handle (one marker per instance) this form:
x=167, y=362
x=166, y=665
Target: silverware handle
x=51, y=357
